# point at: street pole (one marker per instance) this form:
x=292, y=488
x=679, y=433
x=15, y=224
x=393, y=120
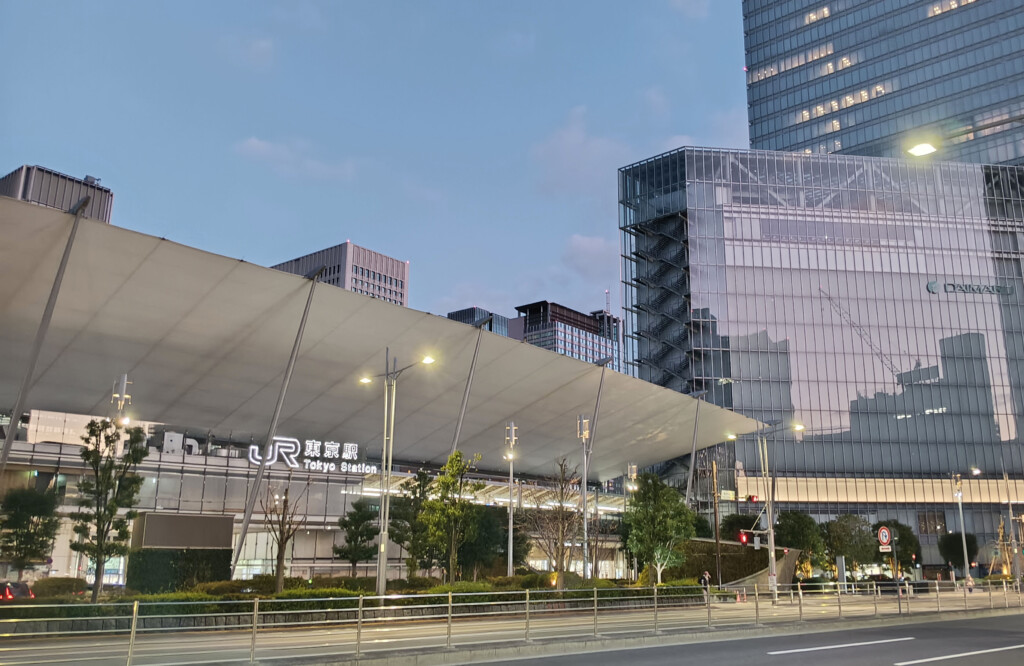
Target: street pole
x=770, y=510
x=510, y=439
x=896, y=572
x=963, y=528
x=583, y=432
x=385, y=477
x=718, y=533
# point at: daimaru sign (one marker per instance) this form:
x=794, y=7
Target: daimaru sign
x=313, y=455
x=934, y=287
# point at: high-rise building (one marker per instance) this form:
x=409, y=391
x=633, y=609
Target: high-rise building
x=880, y=77
x=49, y=188
x=498, y=323
x=356, y=269
x=590, y=338
x=875, y=302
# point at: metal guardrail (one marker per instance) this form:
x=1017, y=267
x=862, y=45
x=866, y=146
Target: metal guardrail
x=265, y=629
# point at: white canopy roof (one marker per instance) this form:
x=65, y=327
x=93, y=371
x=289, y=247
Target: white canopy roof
x=205, y=339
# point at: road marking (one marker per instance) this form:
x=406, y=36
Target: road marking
x=957, y=656
x=845, y=645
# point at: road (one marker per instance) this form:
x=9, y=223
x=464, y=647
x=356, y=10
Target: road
x=995, y=640
x=168, y=649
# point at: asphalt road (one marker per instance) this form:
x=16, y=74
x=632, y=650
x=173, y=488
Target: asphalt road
x=339, y=641
x=995, y=640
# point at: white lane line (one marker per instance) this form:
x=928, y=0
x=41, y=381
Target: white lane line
x=958, y=656
x=845, y=645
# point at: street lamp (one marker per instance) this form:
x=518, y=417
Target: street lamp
x=510, y=441
x=959, y=494
x=391, y=374
x=762, y=440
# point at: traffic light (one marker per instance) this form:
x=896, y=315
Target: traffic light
x=744, y=537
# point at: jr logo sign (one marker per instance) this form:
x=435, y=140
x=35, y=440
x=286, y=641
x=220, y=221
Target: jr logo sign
x=284, y=448
x=316, y=456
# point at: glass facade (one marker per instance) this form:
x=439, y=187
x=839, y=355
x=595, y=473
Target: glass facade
x=876, y=77
x=589, y=338
x=875, y=302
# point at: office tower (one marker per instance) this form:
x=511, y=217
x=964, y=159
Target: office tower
x=356, y=269
x=498, y=323
x=874, y=302
x=882, y=77
x=589, y=337
x=49, y=188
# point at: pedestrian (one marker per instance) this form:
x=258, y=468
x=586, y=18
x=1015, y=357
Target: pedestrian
x=705, y=583
x=970, y=584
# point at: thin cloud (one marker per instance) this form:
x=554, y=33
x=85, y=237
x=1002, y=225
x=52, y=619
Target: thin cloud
x=293, y=158
x=691, y=8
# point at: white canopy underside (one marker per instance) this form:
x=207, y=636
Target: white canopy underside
x=205, y=339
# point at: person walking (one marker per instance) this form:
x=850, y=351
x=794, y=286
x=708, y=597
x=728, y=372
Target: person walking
x=705, y=583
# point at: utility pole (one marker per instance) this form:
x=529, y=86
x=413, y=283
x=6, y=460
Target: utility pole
x=718, y=535
x=583, y=433
x=510, y=441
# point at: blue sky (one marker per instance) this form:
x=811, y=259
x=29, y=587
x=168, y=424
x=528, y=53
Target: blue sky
x=477, y=140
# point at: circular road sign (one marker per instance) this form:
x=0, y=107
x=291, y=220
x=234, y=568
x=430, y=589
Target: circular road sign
x=884, y=535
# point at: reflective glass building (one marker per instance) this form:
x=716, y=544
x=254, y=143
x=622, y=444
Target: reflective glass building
x=875, y=302
x=876, y=77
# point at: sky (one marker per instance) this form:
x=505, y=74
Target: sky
x=477, y=140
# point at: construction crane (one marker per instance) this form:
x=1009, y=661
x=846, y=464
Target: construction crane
x=863, y=335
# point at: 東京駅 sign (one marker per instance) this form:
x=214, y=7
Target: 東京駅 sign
x=314, y=455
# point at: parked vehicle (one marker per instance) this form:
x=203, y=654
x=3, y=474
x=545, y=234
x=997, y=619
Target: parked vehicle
x=14, y=591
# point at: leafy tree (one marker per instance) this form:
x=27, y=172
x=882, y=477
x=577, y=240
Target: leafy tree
x=851, y=537
x=448, y=514
x=556, y=531
x=702, y=528
x=951, y=548
x=108, y=495
x=28, y=527
x=731, y=526
x=907, y=544
x=358, y=525
x=407, y=528
x=798, y=530
x=283, y=517
x=658, y=521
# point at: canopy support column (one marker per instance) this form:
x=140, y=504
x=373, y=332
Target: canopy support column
x=469, y=380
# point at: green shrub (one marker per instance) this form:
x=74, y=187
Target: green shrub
x=221, y=587
x=461, y=587
x=415, y=583
x=58, y=587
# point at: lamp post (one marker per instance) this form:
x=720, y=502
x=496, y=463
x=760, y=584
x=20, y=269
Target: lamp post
x=391, y=374
x=769, y=506
x=583, y=433
x=959, y=494
x=510, y=441
x=629, y=487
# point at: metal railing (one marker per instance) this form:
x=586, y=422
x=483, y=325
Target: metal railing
x=265, y=629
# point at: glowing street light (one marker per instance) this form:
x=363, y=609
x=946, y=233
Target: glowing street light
x=922, y=149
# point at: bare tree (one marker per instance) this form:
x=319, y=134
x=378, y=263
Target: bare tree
x=281, y=514
x=556, y=530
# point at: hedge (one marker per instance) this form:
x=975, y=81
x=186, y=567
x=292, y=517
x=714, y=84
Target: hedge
x=152, y=570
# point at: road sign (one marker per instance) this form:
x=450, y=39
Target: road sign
x=885, y=549
x=884, y=536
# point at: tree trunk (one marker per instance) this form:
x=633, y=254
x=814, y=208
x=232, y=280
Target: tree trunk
x=279, y=584
x=354, y=572
x=659, y=570
x=97, y=585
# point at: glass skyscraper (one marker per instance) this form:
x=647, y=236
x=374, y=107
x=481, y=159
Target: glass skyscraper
x=876, y=302
x=877, y=77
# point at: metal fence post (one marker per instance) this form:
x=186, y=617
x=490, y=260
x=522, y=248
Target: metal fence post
x=839, y=600
x=595, y=611
x=964, y=586
x=991, y=601
x=655, y=609
x=527, y=613
x=909, y=590
x=757, y=608
x=255, y=626
x=800, y=599
x=359, y=626
x=449, y=638
x=874, y=596
x=938, y=598
x=131, y=638
x=1006, y=595
x=709, y=603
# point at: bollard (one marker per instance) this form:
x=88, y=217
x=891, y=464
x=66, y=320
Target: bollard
x=131, y=638
x=757, y=608
x=655, y=609
x=255, y=625
x=938, y=598
x=527, y=614
x=595, y=611
x=359, y=626
x=449, y=638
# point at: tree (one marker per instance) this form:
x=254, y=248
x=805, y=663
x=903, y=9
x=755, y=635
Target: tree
x=798, y=530
x=556, y=530
x=951, y=548
x=28, y=527
x=488, y=543
x=658, y=521
x=449, y=513
x=108, y=495
x=731, y=526
x=702, y=528
x=281, y=516
x=906, y=545
x=851, y=537
x=407, y=528
x=359, y=527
